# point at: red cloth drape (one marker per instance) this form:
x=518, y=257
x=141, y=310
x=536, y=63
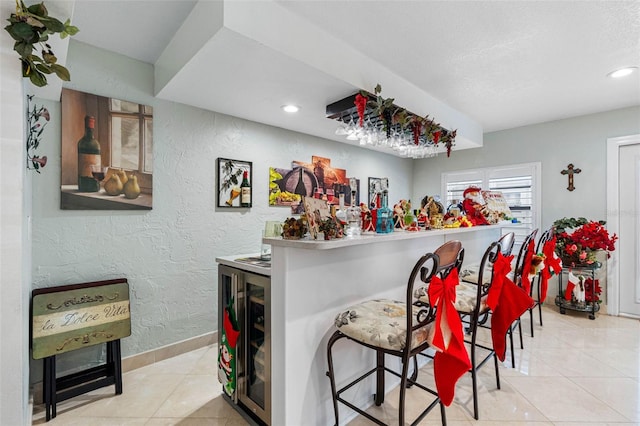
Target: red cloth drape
x=451, y=360
x=509, y=301
x=526, y=267
x=552, y=263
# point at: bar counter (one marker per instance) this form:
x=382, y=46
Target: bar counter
x=311, y=282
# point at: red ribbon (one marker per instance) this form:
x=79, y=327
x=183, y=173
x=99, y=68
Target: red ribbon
x=501, y=268
x=507, y=302
x=528, y=257
x=551, y=263
x=451, y=360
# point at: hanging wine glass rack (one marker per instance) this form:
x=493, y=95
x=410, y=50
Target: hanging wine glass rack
x=399, y=135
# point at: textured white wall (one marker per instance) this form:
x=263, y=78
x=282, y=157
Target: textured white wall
x=580, y=140
x=168, y=254
x=14, y=245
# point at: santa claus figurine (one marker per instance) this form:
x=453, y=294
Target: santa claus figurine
x=473, y=206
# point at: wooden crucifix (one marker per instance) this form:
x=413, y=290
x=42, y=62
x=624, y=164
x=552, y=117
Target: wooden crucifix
x=570, y=172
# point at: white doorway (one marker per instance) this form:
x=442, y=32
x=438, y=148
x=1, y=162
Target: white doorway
x=623, y=217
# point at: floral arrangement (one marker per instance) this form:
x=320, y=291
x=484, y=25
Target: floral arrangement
x=294, y=229
x=578, y=240
x=331, y=227
x=589, y=295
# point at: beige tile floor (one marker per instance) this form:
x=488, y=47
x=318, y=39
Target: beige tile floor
x=573, y=372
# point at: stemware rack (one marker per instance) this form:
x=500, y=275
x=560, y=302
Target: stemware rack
x=345, y=111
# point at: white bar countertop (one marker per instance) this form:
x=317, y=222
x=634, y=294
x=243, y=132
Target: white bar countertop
x=247, y=262
x=372, y=237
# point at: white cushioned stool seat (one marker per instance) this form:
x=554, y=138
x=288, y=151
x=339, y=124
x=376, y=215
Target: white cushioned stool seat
x=381, y=323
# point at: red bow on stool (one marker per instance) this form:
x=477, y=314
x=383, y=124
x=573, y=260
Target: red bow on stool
x=526, y=282
x=551, y=263
x=451, y=360
x=507, y=301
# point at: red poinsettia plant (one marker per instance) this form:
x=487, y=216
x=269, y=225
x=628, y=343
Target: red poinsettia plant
x=578, y=240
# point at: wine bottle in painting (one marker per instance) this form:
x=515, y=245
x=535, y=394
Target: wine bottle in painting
x=245, y=190
x=88, y=156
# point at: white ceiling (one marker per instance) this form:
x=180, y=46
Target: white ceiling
x=478, y=66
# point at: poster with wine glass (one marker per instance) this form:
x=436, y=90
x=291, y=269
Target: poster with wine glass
x=317, y=179
x=106, y=153
x=234, y=180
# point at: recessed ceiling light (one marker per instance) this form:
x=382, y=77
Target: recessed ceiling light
x=290, y=108
x=622, y=72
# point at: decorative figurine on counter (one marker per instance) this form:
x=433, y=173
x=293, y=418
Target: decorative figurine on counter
x=400, y=210
x=435, y=211
x=473, y=206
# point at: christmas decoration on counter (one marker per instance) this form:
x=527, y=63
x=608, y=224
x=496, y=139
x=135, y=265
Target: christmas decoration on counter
x=35, y=127
x=331, y=228
x=31, y=26
x=294, y=229
x=376, y=121
x=578, y=241
x=473, y=206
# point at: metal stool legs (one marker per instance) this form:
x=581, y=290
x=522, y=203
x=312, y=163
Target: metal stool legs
x=380, y=369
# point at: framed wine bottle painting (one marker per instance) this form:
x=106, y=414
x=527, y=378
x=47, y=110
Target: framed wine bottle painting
x=234, y=179
x=106, y=153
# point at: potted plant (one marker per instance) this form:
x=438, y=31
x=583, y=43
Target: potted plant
x=578, y=241
x=31, y=27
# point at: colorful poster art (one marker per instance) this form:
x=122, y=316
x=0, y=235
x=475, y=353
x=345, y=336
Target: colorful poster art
x=316, y=179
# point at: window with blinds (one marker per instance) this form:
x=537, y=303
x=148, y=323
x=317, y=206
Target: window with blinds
x=519, y=184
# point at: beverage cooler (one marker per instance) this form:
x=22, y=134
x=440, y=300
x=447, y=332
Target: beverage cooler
x=244, y=340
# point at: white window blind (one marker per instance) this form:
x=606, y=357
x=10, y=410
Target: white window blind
x=520, y=185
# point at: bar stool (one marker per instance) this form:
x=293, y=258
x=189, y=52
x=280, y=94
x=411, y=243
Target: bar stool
x=538, y=279
x=507, y=241
x=523, y=265
x=384, y=326
x=471, y=275
x=495, y=296
x=450, y=255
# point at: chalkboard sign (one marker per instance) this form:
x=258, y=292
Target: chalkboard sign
x=70, y=317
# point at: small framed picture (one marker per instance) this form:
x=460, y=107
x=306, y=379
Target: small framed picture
x=230, y=178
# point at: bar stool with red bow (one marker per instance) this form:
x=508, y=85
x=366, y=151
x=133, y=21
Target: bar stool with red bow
x=551, y=264
x=384, y=326
x=497, y=296
x=525, y=269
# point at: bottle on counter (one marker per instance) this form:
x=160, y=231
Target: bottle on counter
x=245, y=190
x=384, y=219
x=354, y=218
x=354, y=213
x=454, y=208
x=88, y=155
x=341, y=213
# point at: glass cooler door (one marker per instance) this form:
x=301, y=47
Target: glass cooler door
x=256, y=380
